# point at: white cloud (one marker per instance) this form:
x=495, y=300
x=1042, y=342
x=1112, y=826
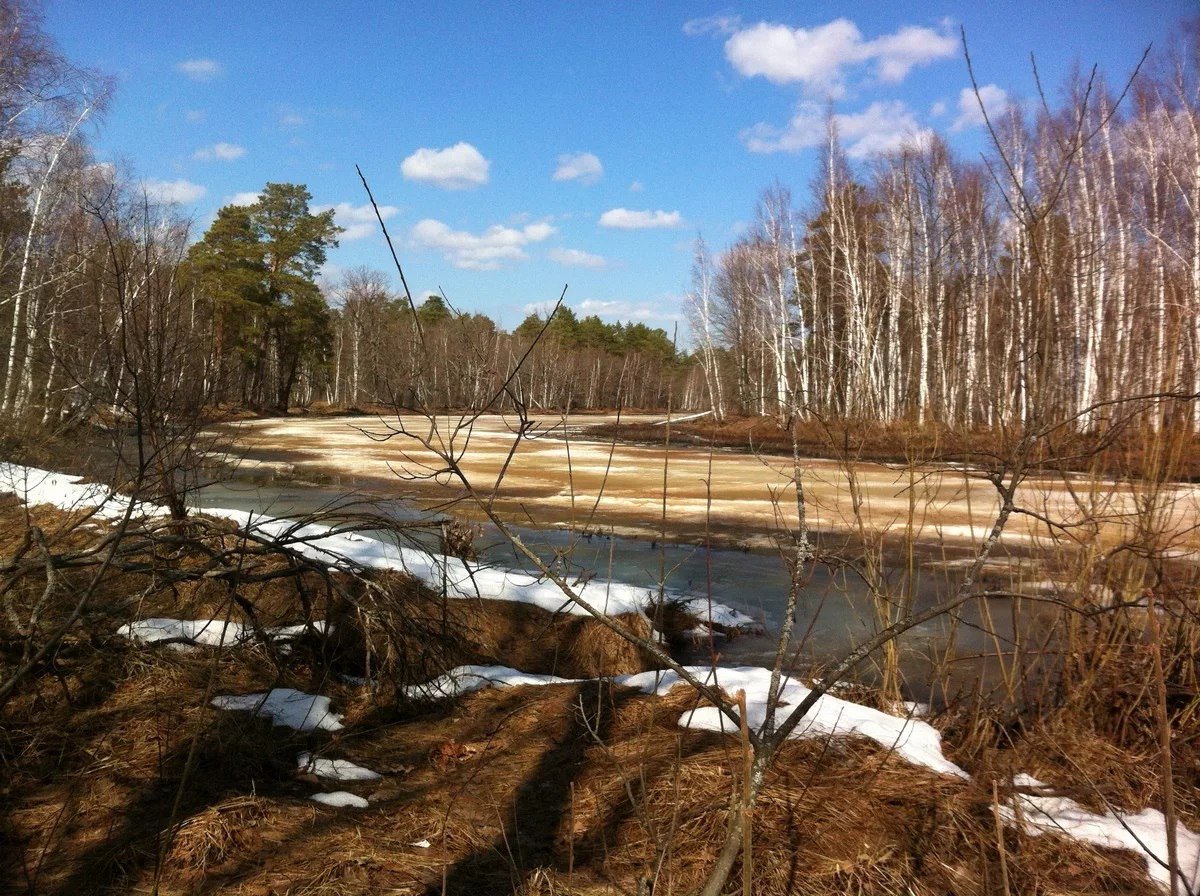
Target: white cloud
x=969, y=114
x=541, y=309
x=783, y=55
x=219, y=152
x=897, y=54
x=818, y=57
x=636, y=187
x=243, y=198
x=457, y=167
x=577, y=258
x=291, y=119
x=712, y=25
x=194, y=115
x=357, y=221
x=181, y=191
x=199, y=69
x=487, y=251
x=938, y=109
x=881, y=127
x=629, y=311
x=627, y=219
x=581, y=166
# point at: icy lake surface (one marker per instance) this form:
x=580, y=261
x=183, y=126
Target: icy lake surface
x=834, y=610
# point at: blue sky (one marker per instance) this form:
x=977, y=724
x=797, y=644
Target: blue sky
x=521, y=147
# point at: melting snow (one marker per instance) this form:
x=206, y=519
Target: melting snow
x=916, y=741
x=719, y=614
x=340, y=799
x=352, y=550
x=1144, y=832
x=335, y=769
x=465, y=679
x=36, y=486
x=207, y=632
x=287, y=707
x=460, y=578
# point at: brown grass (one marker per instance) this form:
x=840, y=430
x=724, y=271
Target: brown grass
x=571, y=789
x=115, y=772
x=1125, y=454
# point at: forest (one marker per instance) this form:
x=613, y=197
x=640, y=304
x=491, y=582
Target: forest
x=1057, y=273
x=878, y=575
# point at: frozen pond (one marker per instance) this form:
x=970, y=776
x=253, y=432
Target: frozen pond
x=834, y=611
x=557, y=474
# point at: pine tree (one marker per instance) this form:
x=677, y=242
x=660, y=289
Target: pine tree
x=257, y=265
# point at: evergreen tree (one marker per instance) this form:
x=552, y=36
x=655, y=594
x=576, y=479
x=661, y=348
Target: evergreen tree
x=433, y=311
x=257, y=264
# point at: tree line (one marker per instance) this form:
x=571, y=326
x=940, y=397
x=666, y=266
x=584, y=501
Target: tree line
x=458, y=359
x=1056, y=273
x=110, y=304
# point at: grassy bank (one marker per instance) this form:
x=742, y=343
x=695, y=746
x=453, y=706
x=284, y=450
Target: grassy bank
x=119, y=776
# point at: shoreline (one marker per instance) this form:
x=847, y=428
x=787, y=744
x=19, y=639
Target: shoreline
x=732, y=499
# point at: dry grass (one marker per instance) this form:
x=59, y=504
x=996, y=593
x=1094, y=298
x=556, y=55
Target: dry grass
x=571, y=789
x=115, y=772
x=1123, y=454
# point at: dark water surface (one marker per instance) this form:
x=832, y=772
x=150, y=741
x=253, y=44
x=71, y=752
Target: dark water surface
x=834, y=610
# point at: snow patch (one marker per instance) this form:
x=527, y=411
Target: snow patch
x=916, y=741
x=719, y=614
x=286, y=707
x=351, y=550
x=462, y=579
x=1144, y=832
x=207, y=632
x=335, y=769
x=682, y=419
x=34, y=486
x=340, y=799
x=467, y=679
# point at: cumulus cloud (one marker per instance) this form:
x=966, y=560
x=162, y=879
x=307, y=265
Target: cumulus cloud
x=577, y=258
x=783, y=55
x=636, y=187
x=897, y=54
x=199, y=69
x=219, y=152
x=628, y=219
x=457, y=167
x=881, y=127
x=174, y=191
x=248, y=198
x=357, y=221
x=818, y=57
x=994, y=99
x=487, y=251
x=581, y=166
